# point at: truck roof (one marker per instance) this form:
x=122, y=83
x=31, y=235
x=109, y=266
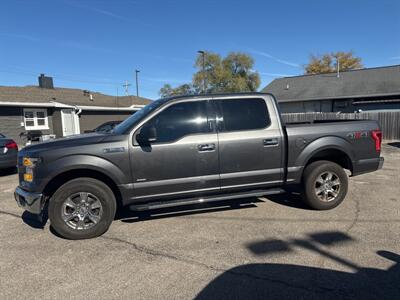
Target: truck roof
x=216, y=95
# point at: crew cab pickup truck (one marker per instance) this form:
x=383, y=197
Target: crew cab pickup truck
x=187, y=150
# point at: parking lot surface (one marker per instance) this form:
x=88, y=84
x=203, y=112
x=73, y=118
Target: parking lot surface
x=256, y=248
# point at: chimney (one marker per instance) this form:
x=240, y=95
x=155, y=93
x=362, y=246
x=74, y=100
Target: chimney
x=45, y=82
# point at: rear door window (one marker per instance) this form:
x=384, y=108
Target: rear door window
x=243, y=114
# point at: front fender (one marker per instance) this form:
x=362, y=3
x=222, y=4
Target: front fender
x=87, y=162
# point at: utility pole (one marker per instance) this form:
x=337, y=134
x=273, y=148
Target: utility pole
x=126, y=87
x=137, y=82
x=338, y=66
x=203, y=54
x=116, y=98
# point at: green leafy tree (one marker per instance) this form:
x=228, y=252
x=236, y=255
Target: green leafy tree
x=234, y=73
x=168, y=91
x=327, y=63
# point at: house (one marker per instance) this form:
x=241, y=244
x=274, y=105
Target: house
x=370, y=89
x=46, y=110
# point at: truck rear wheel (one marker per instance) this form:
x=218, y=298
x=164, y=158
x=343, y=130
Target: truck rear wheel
x=324, y=185
x=82, y=208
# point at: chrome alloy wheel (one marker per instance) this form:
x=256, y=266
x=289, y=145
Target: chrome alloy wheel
x=327, y=186
x=81, y=211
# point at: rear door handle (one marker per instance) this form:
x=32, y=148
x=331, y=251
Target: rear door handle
x=206, y=147
x=271, y=142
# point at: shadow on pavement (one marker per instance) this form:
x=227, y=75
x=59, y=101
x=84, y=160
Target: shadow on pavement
x=286, y=281
x=291, y=199
x=35, y=221
x=394, y=144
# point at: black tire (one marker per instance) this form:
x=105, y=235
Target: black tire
x=311, y=187
x=97, y=190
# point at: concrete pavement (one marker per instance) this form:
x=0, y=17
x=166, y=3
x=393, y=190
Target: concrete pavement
x=267, y=248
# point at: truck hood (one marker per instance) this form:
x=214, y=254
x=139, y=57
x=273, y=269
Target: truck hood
x=69, y=142
x=73, y=140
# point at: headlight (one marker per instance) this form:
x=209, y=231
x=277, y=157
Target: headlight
x=29, y=163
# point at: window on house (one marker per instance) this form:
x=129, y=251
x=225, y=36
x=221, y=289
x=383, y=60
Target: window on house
x=35, y=119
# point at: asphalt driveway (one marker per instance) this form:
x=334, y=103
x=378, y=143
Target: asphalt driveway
x=260, y=248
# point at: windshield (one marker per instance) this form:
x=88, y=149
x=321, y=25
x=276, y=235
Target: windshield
x=127, y=125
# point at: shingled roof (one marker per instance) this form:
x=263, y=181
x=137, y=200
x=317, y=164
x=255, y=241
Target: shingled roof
x=66, y=96
x=362, y=83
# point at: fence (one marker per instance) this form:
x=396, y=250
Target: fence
x=389, y=120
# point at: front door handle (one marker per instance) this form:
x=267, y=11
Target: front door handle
x=206, y=147
x=270, y=142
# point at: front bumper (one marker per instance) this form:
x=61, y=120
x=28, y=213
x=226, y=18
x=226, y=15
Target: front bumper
x=32, y=202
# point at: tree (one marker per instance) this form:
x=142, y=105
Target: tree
x=327, y=63
x=168, y=91
x=234, y=73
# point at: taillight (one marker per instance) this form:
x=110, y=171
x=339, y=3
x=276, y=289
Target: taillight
x=377, y=136
x=11, y=145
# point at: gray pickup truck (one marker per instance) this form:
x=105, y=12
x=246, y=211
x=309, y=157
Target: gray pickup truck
x=187, y=150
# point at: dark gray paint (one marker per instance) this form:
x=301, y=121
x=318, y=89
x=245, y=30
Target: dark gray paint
x=389, y=121
x=163, y=168
x=170, y=171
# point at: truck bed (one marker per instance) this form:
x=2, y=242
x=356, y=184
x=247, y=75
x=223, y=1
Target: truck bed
x=353, y=138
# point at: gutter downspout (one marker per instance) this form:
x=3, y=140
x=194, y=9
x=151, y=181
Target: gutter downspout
x=78, y=111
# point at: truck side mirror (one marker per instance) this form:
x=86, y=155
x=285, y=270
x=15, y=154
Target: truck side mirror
x=147, y=135
x=152, y=134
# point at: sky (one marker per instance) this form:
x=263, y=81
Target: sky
x=98, y=44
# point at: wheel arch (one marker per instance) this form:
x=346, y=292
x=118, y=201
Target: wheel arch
x=335, y=155
x=56, y=182
x=330, y=148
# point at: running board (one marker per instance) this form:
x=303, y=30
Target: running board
x=205, y=199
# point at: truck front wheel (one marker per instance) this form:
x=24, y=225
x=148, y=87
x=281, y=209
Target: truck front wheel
x=82, y=208
x=324, y=185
